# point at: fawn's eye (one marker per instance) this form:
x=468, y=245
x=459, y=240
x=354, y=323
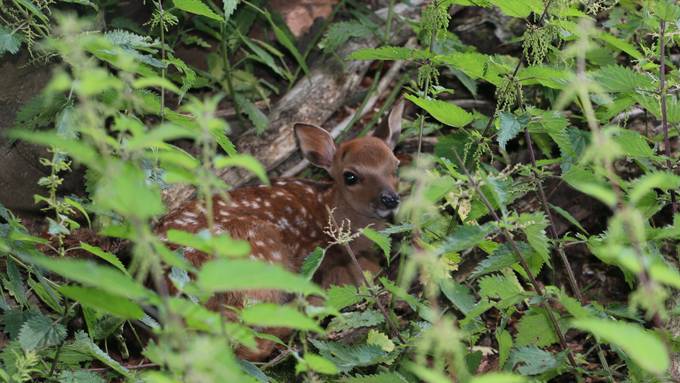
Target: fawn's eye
x=350, y=178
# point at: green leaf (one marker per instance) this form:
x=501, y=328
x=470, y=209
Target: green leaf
x=229, y=6
x=39, y=332
x=549, y=77
x=585, y=181
x=508, y=126
x=504, y=345
x=219, y=244
x=445, y=112
x=506, y=290
x=338, y=33
x=633, y=143
x=197, y=7
x=566, y=215
x=90, y=273
x=79, y=376
x=465, y=237
x=381, y=340
x=531, y=360
x=621, y=45
x=221, y=275
x=478, y=65
x=535, y=329
x=347, y=357
x=108, y=257
x=355, y=319
x=498, y=377
x=102, y=300
x=283, y=38
x=618, y=79
x=520, y=9
x=383, y=377
x=533, y=226
x=389, y=53
x=255, y=115
x=383, y=241
x=272, y=315
x=319, y=364
x=245, y=161
x=642, y=346
x=501, y=258
x=84, y=344
x=312, y=263
x=340, y=297
x=458, y=294
x=648, y=182
x=9, y=42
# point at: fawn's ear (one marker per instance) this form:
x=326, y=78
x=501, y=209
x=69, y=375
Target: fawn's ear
x=317, y=145
x=390, y=133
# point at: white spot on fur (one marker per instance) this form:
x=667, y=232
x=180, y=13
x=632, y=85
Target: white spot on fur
x=267, y=203
x=276, y=255
x=259, y=244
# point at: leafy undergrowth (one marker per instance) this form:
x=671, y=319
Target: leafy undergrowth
x=479, y=287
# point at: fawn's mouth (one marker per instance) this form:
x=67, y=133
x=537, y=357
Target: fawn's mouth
x=386, y=213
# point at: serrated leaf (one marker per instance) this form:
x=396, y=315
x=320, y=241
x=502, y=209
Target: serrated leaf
x=651, y=181
x=501, y=258
x=465, y=237
x=381, y=340
x=312, y=263
x=633, y=144
x=319, y=364
x=618, y=79
x=271, y=315
x=197, y=7
x=620, y=44
x=79, y=376
x=504, y=345
x=40, y=332
x=84, y=344
x=566, y=215
x=338, y=33
x=15, y=283
x=229, y=6
x=9, y=42
x=221, y=275
x=355, y=319
x=499, y=287
x=445, y=112
x=585, y=181
x=108, y=257
x=534, y=329
x=383, y=241
x=347, y=357
x=516, y=8
x=531, y=360
x=340, y=297
x=508, y=126
x=641, y=345
x=458, y=294
x=255, y=115
x=389, y=53
x=534, y=226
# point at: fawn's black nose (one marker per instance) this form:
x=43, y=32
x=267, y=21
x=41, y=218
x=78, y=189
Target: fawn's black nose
x=389, y=199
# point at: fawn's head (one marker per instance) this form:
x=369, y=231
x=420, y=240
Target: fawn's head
x=364, y=169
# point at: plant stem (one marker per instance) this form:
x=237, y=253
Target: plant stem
x=525, y=266
x=664, y=112
x=388, y=319
x=163, y=73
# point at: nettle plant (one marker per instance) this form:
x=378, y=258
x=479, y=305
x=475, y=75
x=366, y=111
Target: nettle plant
x=564, y=99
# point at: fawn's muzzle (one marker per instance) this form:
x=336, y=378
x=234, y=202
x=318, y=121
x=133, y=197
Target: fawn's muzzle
x=389, y=199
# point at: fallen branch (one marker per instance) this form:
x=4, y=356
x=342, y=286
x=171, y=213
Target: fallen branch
x=313, y=100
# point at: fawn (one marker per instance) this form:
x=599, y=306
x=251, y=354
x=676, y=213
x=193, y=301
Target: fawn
x=284, y=222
